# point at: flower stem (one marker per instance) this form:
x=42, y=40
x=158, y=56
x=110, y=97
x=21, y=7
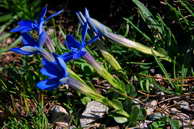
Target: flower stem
x=116, y=83
x=75, y=84
x=49, y=44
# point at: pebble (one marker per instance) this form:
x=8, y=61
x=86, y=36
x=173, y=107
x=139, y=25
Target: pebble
x=184, y=105
x=151, y=106
x=174, y=110
x=94, y=110
x=156, y=116
x=59, y=116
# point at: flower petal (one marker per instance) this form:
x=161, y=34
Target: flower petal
x=81, y=18
x=84, y=31
x=51, y=67
x=87, y=13
x=48, y=84
x=43, y=12
x=53, y=15
x=67, y=56
x=26, y=23
x=21, y=29
x=71, y=42
x=79, y=54
x=20, y=51
x=46, y=73
x=28, y=40
x=29, y=49
x=63, y=66
x=42, y=38
x=93, y=40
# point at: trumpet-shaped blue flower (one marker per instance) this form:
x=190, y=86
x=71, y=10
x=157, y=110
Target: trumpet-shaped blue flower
x=28, y=25
x=77, y=49
x=56, y=72
x=95, y=26
x=30, y=45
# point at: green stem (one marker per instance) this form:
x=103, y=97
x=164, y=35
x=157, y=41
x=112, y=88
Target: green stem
x=116, y=83
x=93, y=94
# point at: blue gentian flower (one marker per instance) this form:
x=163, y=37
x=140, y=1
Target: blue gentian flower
x=56, y=72
x=31, y=45
x=28, y=25
x=95, y=26
x=77, y=49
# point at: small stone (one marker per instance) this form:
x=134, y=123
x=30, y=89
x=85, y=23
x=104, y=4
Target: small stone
x=153, y=103
x=151, y=106
x=174, y=110
x=114, y=127
x=156, y=116
x=149, y=111
x=144, y=124
x=184, y=105
x=192, y=122
x=159, y=77
x=185, y=119
x=94, y=110
x=59, y=116
x=152, y=71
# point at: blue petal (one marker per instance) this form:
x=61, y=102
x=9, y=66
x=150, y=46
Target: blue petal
x=93, y=40
x=52, y=67
x=71, y=42
x=21, y=29
x=67, y=56
x=63, y=66
x=46, y=73
x=43, y=12
x=84, y=31
x=20, y=51
x=27, y=23
x=53, y=15
x=81, y=18
x=42, y=38
x=79, y=55
x=87, y=13
x=28, y=40
x=48, y=84
x=88, y=18
x=41, y=27
x=29, y=49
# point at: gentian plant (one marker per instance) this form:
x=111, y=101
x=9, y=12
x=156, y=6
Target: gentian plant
x=31, y=45
x=94, y=31
x=56, y=72
x=37, y=25
x=54, y=64
x=77, y=49
x=105, y=31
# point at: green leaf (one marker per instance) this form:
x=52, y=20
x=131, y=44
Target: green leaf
x=120, y=119
x=114, y=63
x=137, y=114
x=165, y=73
x=85, y=100
x=4, y=36
x=147, y=16
x=131, y=90
x=118, y=104
x=5, y=17
x=175, y=124
x=137, y=29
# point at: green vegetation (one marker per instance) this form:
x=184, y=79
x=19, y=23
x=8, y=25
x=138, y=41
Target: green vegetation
x=128, y=80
